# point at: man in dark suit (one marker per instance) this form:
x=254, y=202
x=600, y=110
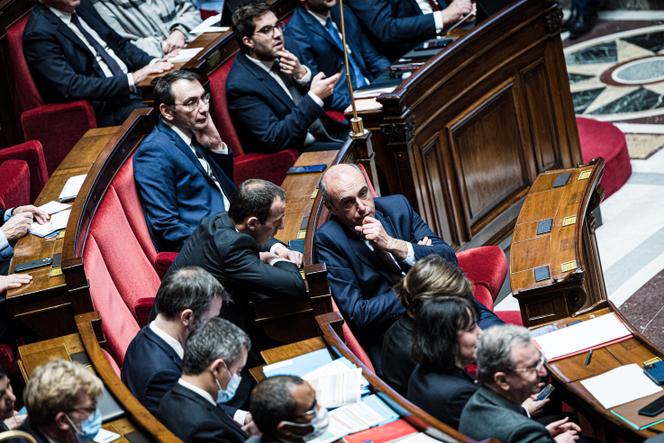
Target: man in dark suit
x=183, y=170
x=284, y=408
x=153, y=362
x=313, y=34
x=397, y=26
x=510, y=369
x=238, y=248
x=73, y=54
x=368, y=245
x=274, y=100
x=214, y=357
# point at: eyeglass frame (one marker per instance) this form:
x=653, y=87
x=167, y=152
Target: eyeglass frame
x=268, y=30
x=536, y=368
x=196, y=103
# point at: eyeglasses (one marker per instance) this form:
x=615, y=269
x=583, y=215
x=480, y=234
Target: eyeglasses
x=268, y=30
x=91, y=410
x=535, y=368
x=193, y=103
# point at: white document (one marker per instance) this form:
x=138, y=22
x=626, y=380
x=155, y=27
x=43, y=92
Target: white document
x=184, y=55
x=54, y=207
x=620, y=385
x=336, y=384
x=210, y=24
x=105, y=436
x=57, y=222
x=419, y=437
x=71, y=188
x=374, y=92
x=582, y=336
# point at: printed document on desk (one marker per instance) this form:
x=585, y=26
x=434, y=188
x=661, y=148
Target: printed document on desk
x=620, y=385
x=71, y=188
x=299, y=365
x=581, y=337
x=57, y=222
x=210, y=24
x=336, y=384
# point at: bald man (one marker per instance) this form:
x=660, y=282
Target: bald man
x=368, y=245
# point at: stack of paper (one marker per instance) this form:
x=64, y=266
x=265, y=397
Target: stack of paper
x=581, y=337
x=210, y=24
x=54, y=207
x=620, y=385
x=71, y=188
x=56, y=223
x=184, y=55
x=336, y=384
x=299, y=365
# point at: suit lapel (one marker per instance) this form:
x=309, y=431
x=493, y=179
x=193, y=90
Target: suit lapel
x=271, y=84
x=186, y=150
x=212, y=410
x=62, y=27
x=316, y=28
x=164, y=346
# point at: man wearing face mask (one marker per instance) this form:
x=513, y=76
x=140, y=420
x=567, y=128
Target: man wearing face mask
x=214, y=356
x=284, y=409
x=61, y=399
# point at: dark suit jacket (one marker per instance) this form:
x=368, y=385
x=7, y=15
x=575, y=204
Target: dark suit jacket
x=306, y=38
x=441, y=394
x=266, y=118
x=394, y=26
x=175, y=190
x=64, y=69
x=489, y=415
x=150, y=368
x=27, y=427
x=360, y=284
x=194, y=419
x=233, y=258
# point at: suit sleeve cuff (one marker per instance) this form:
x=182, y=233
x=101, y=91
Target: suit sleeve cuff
x=306, y=78
x=438, y=21
x=315, y=98
x=410, y=258
x=240, y=416
x=8, y=214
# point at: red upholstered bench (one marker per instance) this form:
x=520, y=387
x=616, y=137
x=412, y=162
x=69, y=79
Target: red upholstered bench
x=602, y=139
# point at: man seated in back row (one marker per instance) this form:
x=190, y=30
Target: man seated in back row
x=183, y=170
x=275, y=101
x=368, y=245
x=74, y=55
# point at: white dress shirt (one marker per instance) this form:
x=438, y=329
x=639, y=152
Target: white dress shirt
x=425, y=7
x=170, y=341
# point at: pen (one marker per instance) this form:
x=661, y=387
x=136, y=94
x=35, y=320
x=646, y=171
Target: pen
x=590, y=356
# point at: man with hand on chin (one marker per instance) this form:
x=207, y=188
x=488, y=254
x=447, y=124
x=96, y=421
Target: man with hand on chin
x=274, y=100
x=368, y=245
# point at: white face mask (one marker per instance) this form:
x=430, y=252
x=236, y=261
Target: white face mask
x=319, y=424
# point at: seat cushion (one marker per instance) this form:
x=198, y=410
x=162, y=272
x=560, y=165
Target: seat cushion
x=14, y=183
x=486, y=266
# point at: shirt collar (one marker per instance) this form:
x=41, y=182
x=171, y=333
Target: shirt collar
x=260, y=63
x=322, y=19
x=202, y=392
x=182, y=134
x=170, y=341
x=62, y=15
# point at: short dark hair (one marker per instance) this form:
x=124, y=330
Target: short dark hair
x=254, y=197
x=271, y=402
x=243, y=20
x=435, y=341
x=163, y=93
x=188, y=288
x=216, y=338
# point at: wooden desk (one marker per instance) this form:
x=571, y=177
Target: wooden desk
x=42, y=305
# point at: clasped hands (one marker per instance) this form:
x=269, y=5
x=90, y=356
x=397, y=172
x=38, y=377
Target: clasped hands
x=22, y=217
x=372, y=229
x=282, y=252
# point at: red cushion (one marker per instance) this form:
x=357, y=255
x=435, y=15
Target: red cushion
x=14, y=183
x=513, y=317
x=220, y=110
x=482, y=295
x=27, y=95
x=32, y=153
x=133, y=274
x=7, y=358
x=111, y=361
x=118, y=324
x=602, y=139
x=352, y=343
x=163, y=262
x=486, y=266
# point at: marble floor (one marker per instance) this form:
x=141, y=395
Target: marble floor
x=631, y=240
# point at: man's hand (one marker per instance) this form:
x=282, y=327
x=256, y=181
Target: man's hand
x=426, y=241
x=13, y=281
x=268, y=257
x=372, y=230
x=566, y=437
x=153, y=68
x=249, y=426
x=176, y=40
x=533, y=406
x=209, y=136
x=289, y=65
x=563, y=426
x=38, y=215
x=15, y=420
x=17, y=226
x=323, y=87
x=290, y=255
x=455, y=11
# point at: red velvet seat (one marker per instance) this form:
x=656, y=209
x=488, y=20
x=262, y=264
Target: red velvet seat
x=57, y=126
x=270, y=167
x=22, y=174
x=602, y=139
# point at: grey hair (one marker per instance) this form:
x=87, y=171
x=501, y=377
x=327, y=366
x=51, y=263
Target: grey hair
x=325, y=195
x=494, y=350
x=215, y=339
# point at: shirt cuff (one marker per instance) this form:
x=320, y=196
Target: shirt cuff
x=240, y=416
x=6, y=251
x=410, y=258
x=438, y=21
x=223, y=149
x=306, y=78
x=274, y=261
x=315, y=98
x=132, y=85
x=8, y=214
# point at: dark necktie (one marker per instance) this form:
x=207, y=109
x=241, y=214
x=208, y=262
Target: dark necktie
x=434, y=5
x=356, y=73
x=99, y=49
x=391, y=265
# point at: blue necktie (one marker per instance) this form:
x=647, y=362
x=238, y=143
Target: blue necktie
x=356, y=73
x=99, y=49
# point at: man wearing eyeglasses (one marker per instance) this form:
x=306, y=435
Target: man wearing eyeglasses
x=183, y=170
x=510, y=369
x=274, y=100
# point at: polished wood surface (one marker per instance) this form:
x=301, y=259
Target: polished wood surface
x=135, y=419
x=465, y=136
x=569, y=251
